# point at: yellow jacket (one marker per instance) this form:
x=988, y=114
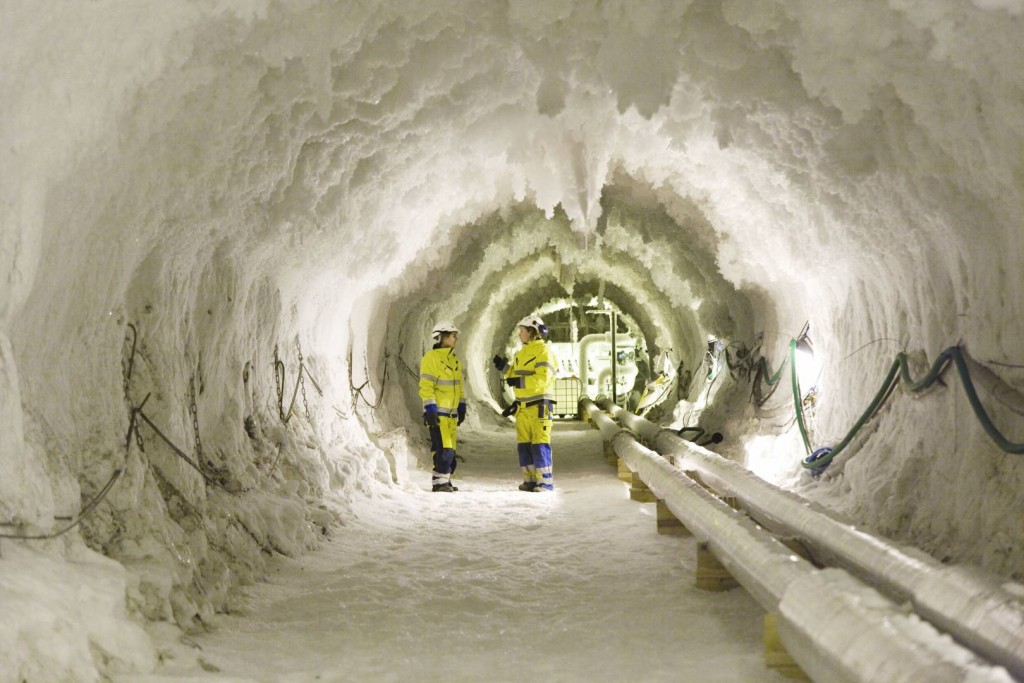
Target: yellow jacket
x=441, y=381
x=536, y=365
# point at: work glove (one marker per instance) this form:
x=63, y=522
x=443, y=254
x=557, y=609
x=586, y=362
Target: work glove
x=500, y=362
x=462, y=413
x=511, y=410
x=430, y=416
x=515, y=382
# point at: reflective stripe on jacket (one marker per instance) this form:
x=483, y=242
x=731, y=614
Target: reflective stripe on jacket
x=441, y=380
x=536, y=365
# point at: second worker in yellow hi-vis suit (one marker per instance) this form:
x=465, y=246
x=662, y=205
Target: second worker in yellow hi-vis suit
x=532, y=375
x=444, y=404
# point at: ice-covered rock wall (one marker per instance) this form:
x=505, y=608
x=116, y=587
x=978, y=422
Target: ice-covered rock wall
x=225, y=186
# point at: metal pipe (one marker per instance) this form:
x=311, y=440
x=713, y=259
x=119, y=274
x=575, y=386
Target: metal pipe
x=835, y=627
x=585, y=344
x=986, y=613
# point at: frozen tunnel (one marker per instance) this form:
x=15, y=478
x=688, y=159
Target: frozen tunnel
x=220, y=211
x=529, y=263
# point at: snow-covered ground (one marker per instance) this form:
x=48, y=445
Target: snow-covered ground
x=486, y=584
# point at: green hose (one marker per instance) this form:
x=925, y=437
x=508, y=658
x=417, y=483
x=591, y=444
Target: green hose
x=900, y=372
x=972, y=397
x=797, y=398
x=762, y=372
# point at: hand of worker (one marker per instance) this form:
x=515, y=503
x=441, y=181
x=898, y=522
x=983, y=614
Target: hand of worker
x=511, y=410
x=430, y=416
x=462, y=413
x=500, y=362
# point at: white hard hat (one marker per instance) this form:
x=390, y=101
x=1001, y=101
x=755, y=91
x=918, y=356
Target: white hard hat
x=534, y=322
x=442, y=327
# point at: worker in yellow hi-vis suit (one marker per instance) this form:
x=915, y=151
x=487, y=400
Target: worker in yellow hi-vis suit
x=532, y=375
x=444, y=404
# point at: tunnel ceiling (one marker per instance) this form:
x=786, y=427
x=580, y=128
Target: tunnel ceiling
x=512, y=263
x=314, y=154
x=339, y=143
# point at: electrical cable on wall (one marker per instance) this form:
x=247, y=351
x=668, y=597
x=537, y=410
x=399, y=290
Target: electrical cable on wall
x=818, y=459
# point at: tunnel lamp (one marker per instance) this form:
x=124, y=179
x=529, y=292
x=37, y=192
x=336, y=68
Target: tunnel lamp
x=808, y=368
x=713, y=357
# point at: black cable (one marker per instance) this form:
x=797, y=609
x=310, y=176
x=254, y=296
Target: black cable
x=89, y=507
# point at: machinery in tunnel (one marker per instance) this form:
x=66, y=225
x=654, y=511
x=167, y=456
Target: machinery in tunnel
x=601, y=351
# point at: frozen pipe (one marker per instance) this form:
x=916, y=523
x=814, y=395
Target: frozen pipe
x=835, y=627
x=984, y=612
x=585, y=344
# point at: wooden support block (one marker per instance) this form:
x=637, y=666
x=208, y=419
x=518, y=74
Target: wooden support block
x=775, y=655
x=711, y=574
x=668, y=523
x=610, y=456
x=639, y=491
x=625, y=474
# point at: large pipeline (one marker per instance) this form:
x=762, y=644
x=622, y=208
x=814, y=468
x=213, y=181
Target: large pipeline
x=834, y=626
x=983, y=612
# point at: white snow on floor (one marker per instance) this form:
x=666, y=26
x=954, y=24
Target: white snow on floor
x=488, y=583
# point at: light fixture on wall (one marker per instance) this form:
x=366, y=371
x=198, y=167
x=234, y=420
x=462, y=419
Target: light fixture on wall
x=713, y=357
x=808, y=367
x=804, y=371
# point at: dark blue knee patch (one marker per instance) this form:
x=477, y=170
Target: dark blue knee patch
x=525, y=454
x=444, y=461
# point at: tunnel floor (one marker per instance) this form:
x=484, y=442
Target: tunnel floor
x=489, y=583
